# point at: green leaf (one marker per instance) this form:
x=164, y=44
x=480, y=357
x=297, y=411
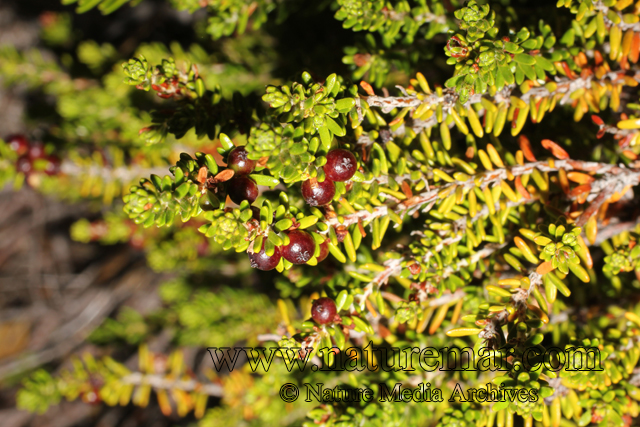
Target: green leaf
x=349, y=247
x=511, y=47
x=307, y=222
x=325, y=137
x=86, y=6
x=529, y=72
x=266, y=180
x=156, y=181
x=358, y=177
x=341, y=299
x=507, y=75
x=275, y=239
x=519, y=74
x=568, y=38
x=499, y=406
x=337, y=253
x=524, y=59
x=362, y=325
x=453, y=81
x=544, y=63
x=226, y=142
x=523, y=34
x=182, y=190
x=329, y=83
x=334, y=127
x=166, y=183
x=339, y=338
x=345, y=105
x=284, y=224
x=200, y=88
x=179, y=176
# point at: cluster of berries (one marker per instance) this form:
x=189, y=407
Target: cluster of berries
x=241, y=187
x=32, y=157
x=341, y=166
x=300, y=249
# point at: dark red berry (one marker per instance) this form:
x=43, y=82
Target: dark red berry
x=318, y=193
x=262, y=261
x=239, y=163
x=324, y=250
x=341, y=165
x=242, y=188
x=323, y=310
x=300, y=249
x=18, y=143
x=24, y=165
x=36, y=151
x=53, y=165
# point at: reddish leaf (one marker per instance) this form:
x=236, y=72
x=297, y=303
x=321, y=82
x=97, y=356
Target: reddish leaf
x=225, y=175
x=470, y=152
x=361, y=227
x=598, y=57
x=544, y=268
x=580, y=178
x=367, y=88
x=523, y=191
x=516, y=113
x=580, y=189
x=202, y=174
x=406, y=189
x=263, y=161
x=597, y=120
x=635, y=48
x=361, y=59
x=555, y=149
x=525, y=146
x=624, y=142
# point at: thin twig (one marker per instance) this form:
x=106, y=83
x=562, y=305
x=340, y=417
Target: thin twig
x=161, y=382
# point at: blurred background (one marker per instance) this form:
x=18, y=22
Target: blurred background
x=76, y=277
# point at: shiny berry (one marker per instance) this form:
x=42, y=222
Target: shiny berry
x=262, y=261
x=36, y=151
x=323, y=310
x=239, y=163
x=341, y=165
x=53, y=165
x=18, y=143
x=318, y=193
x=24, y=165
x=300, y=249
x=324, y=250
x=242, y=188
